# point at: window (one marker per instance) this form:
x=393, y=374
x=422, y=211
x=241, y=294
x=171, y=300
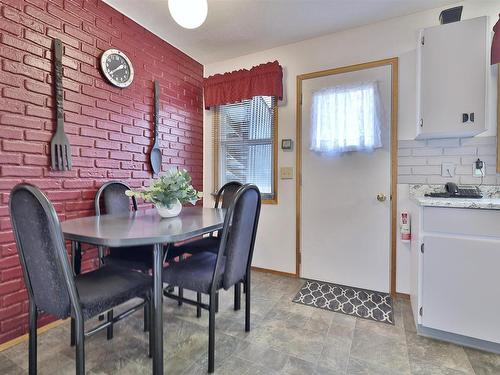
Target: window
x=246, y=144
x=346, y=118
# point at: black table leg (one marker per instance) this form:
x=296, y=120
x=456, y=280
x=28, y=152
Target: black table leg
x=76, y=262
x=157, y=326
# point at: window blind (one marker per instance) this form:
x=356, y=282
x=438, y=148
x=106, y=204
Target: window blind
x=244, y=135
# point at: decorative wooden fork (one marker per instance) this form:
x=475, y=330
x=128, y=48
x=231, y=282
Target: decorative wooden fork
x=60, y=149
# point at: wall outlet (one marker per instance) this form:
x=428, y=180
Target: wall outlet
x=478, y=168
x=286, y=173
x=448, y=170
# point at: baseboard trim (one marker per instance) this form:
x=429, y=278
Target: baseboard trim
x=20, y=339
x=274, y=272
x=403, y=296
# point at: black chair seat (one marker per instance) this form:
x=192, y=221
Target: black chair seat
x=210, y=244
x=107, y=287
x=194, y=273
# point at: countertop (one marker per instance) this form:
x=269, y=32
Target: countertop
x=483, y=203
x=490, y=200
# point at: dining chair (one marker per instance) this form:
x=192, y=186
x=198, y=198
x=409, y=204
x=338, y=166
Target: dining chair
x=111, y=199
x=223, y=199
x=52, y=286
x=207, y=272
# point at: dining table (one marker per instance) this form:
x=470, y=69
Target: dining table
x=143, y=227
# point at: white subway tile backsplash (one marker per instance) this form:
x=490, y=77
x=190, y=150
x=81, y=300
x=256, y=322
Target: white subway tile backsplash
x=412, y=179
x=464, y=150
x=487, y=150
x=402, y=170
x=471, y=159
x=438, y=160
x=447, y=142
x=411, y=144
x=465, y=170
x=419, y=162
x=426, y=170
x=404, y=152
x=440, y=180
x=469, y=180
x=409, y=160
x=427, y=151
x=474, y=141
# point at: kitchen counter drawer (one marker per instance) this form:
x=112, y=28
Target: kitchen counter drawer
x=462, y=221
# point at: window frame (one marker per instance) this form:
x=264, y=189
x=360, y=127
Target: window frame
x=216, y=151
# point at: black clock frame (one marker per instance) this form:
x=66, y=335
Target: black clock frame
x=109, y=77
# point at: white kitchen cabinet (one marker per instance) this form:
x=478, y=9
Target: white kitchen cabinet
x=451, y=79
x=454, y=277
x=460, y=286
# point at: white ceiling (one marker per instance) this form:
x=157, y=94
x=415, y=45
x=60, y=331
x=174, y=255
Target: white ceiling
x=237, y=27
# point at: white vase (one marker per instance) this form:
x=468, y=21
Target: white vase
x=172, y=211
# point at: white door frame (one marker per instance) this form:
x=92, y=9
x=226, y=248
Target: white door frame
x=393, y=63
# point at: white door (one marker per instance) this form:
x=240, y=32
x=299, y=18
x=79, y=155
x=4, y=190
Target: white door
x=345, y=229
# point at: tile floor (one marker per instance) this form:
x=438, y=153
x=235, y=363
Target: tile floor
x=286, y=338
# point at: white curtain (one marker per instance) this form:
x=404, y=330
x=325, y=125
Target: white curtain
x=346, y=118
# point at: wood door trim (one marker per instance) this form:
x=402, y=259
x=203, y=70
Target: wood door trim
x=393, y=63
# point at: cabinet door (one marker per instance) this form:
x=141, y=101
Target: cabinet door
x=452, y=79
x=460, y=288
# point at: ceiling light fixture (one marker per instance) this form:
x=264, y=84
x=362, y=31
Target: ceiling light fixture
x=190, y=14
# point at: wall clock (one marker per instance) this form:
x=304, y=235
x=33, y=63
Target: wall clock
x=117, y=68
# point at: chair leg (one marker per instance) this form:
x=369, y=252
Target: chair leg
x=211, y=333
x=151, y=312
x=217, y=302
x=237, y=296
x=198, y=308
x=181, y=290
x=33, y=317
x=109, y=330
x=72, y=338
x=247, y=303
x=146, y=317
x=80, y=347
x=181, y=295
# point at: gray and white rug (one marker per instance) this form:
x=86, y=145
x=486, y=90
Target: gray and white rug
x=367, y=304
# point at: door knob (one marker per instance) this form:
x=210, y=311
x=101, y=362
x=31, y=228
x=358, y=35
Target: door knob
x=381, y=197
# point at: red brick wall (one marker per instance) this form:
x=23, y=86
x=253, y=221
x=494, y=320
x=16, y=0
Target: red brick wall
x=109, y=129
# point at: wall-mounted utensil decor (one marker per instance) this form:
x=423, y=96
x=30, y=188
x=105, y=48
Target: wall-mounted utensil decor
x=60, y=149
x=155, y=156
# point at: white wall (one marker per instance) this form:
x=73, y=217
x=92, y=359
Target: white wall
x=275, y=248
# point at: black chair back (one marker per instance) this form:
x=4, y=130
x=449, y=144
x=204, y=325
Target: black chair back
x=224, y=198
x=240, y=229
x=226, y=194
x=111, y=199
x=42, y=253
